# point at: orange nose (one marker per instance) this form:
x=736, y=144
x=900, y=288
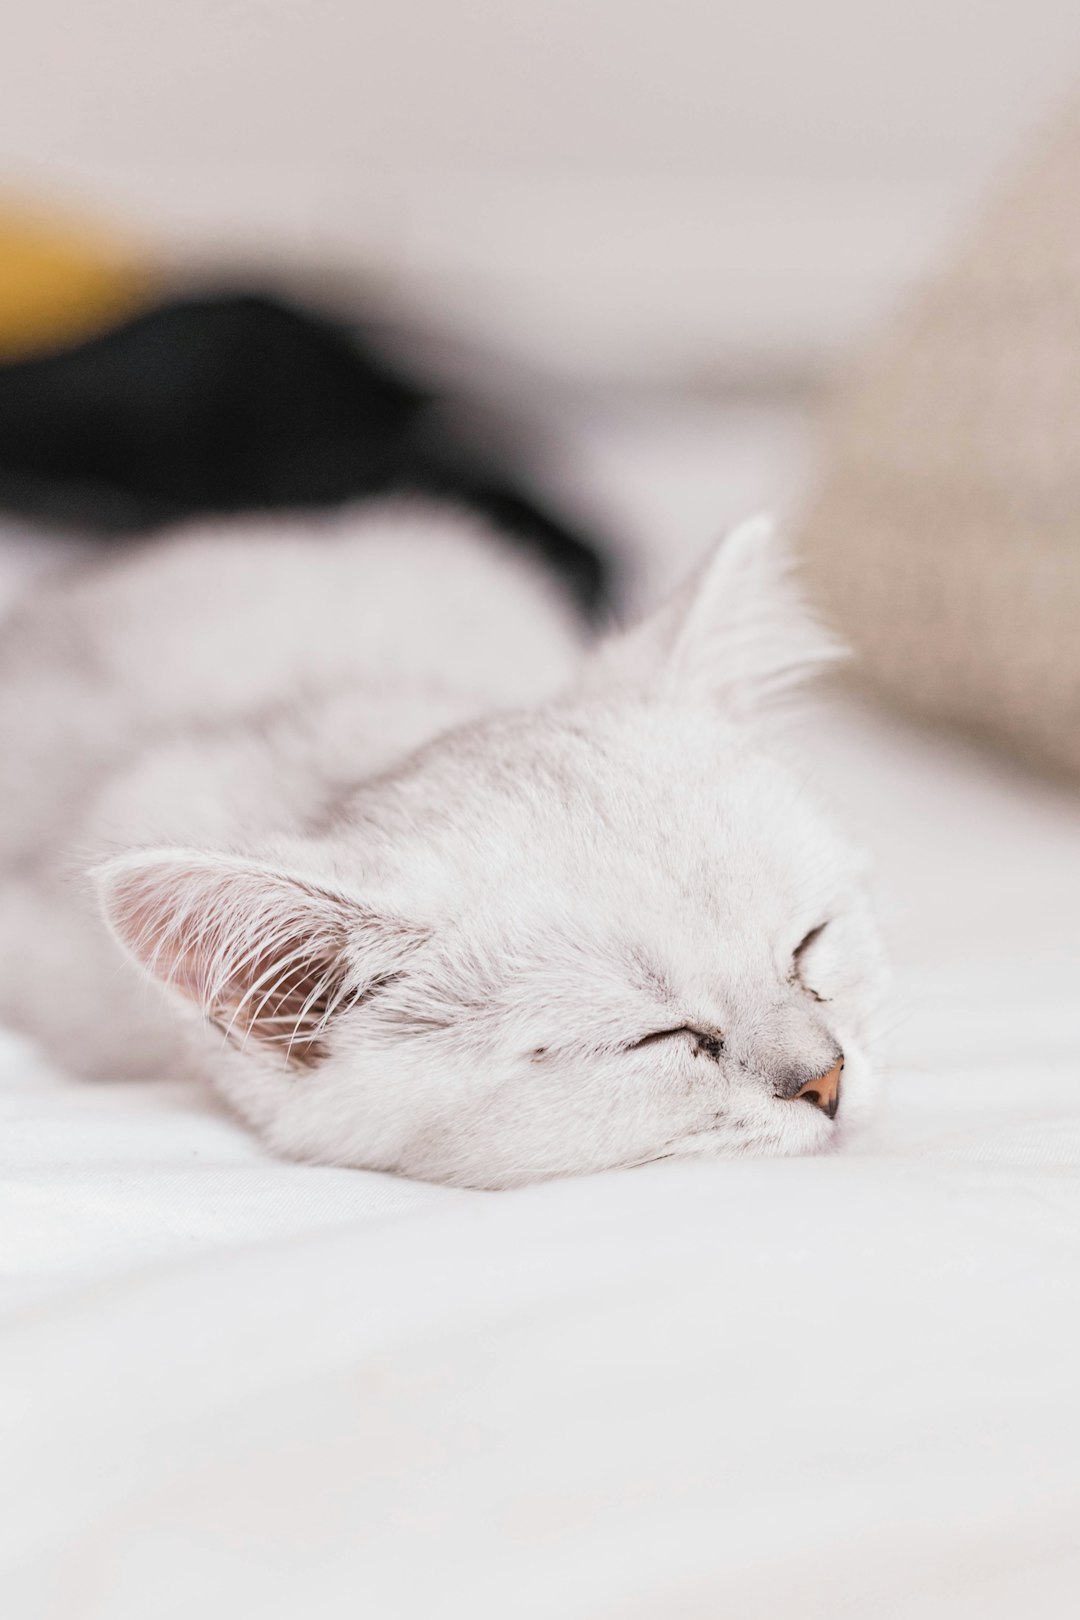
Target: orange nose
x=825, y=1092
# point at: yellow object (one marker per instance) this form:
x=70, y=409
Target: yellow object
x=60, y=281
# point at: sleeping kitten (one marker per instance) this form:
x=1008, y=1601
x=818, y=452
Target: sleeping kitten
x=416, y=879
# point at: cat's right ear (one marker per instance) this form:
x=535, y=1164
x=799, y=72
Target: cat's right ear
x=268, y=956
x=736, y=634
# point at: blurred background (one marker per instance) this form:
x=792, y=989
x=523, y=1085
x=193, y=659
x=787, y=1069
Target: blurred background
x=644, y=242
x=683, y=195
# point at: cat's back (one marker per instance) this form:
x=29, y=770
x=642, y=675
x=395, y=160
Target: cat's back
x=221, y=622
x=397, y=588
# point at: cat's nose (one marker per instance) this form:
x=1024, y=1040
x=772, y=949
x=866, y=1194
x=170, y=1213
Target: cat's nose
x=824, y=1092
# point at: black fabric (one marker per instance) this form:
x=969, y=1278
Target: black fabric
x=240, y=402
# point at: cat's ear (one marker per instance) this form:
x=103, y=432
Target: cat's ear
x=269, y=957
x=736, y=633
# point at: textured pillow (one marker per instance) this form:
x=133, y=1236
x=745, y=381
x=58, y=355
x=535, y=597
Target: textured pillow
x=944, y=541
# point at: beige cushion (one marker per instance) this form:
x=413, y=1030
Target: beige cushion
x=944, y=541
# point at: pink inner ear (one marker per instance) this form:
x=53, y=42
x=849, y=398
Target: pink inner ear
x=288, y=1004
x=263, y=955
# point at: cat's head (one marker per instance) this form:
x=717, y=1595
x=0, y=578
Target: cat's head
x=604, y=931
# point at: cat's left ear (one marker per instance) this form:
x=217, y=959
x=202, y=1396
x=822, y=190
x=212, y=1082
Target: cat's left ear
x=266, y=955
x=736, y=633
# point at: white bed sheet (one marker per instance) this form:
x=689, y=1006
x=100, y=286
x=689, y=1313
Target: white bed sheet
x=836, y=1388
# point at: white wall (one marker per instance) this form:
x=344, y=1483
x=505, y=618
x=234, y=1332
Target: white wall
x=641, y=188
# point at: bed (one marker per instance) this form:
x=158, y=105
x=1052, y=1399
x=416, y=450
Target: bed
x=843, y=1387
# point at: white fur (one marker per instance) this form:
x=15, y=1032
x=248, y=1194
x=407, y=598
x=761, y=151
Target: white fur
x=410, y=874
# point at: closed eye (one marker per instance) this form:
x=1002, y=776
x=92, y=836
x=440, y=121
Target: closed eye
x=661, y=1035
x=707, y=1041
x=799, y=956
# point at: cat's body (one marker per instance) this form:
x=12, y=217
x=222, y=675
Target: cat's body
x=219, y=687
x=433, y=888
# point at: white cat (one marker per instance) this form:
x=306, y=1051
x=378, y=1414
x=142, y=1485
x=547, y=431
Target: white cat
x=420, y=882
